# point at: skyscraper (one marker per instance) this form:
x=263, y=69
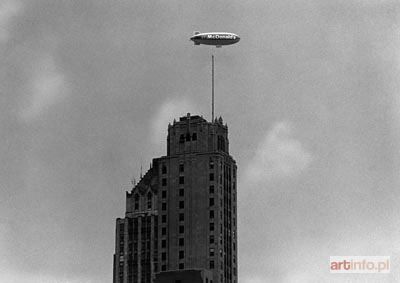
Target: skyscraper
x=182, y=214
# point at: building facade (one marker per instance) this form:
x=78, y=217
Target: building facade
x=182, y=214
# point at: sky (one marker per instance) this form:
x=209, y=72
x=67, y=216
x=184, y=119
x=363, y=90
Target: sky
x=311, y=96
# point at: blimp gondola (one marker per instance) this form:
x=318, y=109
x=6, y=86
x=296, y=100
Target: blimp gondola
x=217, y=39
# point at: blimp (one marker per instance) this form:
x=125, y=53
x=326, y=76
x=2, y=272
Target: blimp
x=214, y=38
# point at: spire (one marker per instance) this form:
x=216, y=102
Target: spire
x=188, y=122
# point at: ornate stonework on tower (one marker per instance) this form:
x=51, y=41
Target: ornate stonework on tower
x=182, y=214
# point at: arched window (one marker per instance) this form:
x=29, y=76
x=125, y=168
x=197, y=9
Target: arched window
x=188, y=137
x=182, y=139
x=136, y=201
x=149, y=200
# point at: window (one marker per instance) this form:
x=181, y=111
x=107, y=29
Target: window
x=194, y=136
x=164, y=169
x=163, y=182
x=163, y=267
x=212, y=251
x=181, y=242
x=212, y=239
x=164, y=256
x=181, y=266
x=164, y=194
x=211, y=176
x=181, y=217
x=181, y=254
x=163, y=231
x=164, y=206
x=181, y=167
x=181, y=180
x=149, y=200
x=211, y=201
x=164, y=219
x=211, y=189
x=136, y=202
x=182, y=139
x=221, y=143
x=211, y=164
x=181, y=192
x=164, y=243
x=188, y=137
x=181, y=204
x=181, y=229
x=211, y=264
x=211, y=214
x=211, y=226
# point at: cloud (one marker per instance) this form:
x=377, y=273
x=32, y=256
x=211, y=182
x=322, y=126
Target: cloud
x=47, y=87
x=253, y=279
x=169, y=110
x=8, y=9
x=14, y=276
x=278, y=155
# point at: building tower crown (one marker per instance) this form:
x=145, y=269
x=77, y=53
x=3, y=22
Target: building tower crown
x=194, y=134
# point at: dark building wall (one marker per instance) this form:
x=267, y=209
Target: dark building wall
x=188, y=202
x=185, y=276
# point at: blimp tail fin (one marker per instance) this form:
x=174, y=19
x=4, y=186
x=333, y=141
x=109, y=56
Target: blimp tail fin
x=196, y=33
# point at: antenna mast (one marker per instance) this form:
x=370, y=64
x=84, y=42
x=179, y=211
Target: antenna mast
x=212, y=88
